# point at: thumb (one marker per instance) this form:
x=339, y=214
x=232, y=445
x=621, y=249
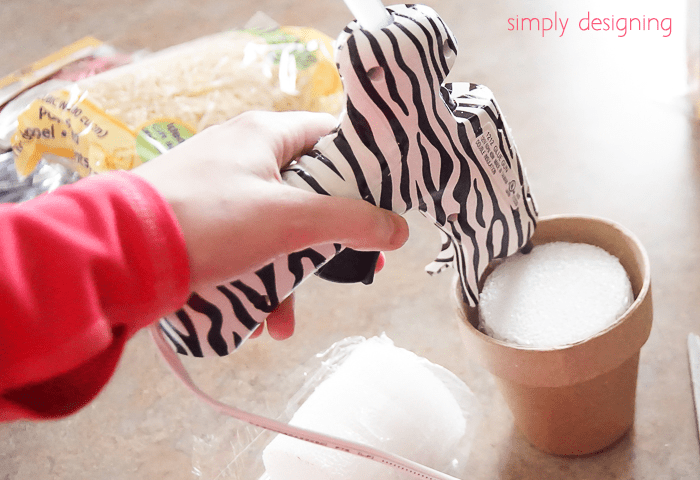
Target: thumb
x=320, y=219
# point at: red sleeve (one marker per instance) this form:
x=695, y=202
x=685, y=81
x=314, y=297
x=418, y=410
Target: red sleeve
x=82, y=269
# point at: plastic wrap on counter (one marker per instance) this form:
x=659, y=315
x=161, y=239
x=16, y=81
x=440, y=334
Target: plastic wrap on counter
x=126, y=116
x=236, y=451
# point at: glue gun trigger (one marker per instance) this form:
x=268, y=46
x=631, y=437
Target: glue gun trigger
x=350, y=266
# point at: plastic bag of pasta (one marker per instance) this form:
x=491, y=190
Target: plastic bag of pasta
x=128, y=115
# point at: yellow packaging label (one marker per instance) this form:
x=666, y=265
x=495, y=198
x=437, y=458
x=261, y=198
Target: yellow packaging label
x=318, y=81
x=325, y=77
x=69, y=126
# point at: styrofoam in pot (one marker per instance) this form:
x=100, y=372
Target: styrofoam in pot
x=575, y=399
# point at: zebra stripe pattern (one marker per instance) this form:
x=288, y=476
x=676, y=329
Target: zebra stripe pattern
x=406, y=140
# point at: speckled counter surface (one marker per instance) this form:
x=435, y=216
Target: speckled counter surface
x=603, y=129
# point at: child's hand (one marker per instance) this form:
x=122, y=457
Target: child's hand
x=225, y=188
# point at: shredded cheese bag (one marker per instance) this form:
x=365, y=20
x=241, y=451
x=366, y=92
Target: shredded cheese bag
x=126, y=116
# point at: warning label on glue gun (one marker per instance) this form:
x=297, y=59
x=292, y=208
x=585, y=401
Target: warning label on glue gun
x=489, y=149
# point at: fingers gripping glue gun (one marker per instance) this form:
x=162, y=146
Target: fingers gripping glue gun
x=406, y=140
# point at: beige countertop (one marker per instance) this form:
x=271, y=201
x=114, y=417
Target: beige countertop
x=603, y=128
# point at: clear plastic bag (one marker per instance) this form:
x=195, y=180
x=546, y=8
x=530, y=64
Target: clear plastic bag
x=237, y=453
x=121, y=118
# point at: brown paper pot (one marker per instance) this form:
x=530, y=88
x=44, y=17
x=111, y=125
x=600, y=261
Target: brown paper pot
x=577, y=399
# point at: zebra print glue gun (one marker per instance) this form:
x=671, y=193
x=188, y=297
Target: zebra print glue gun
x=405, y=140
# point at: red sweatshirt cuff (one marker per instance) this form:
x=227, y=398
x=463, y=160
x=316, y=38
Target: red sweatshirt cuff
x=85, y=268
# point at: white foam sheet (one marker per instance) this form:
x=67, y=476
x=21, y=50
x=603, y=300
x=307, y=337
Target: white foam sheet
x=386, y=397
x=558, y=294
